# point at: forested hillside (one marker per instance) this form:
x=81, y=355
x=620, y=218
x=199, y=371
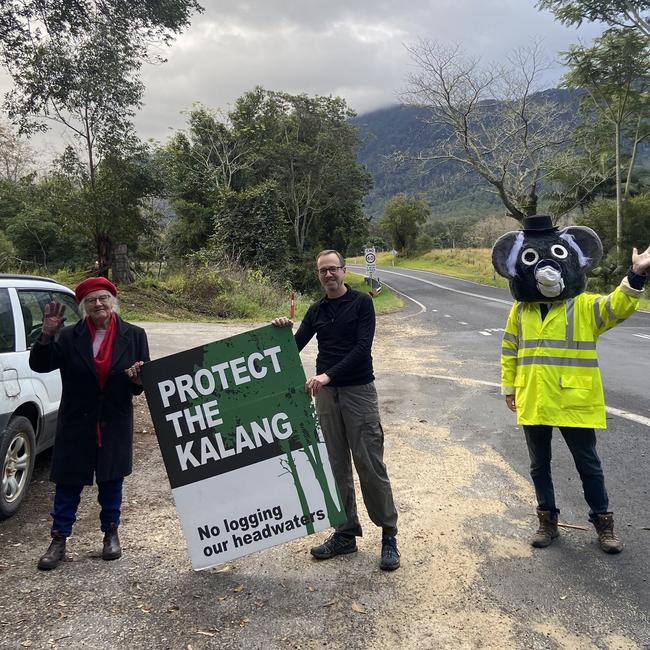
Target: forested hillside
x=449, y=191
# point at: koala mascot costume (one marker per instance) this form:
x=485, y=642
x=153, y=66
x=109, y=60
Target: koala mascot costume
x=549, y=365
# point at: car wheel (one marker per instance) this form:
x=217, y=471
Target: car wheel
x=17, y=454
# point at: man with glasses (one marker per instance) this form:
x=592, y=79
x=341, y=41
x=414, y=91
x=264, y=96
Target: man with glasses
x=346, y=401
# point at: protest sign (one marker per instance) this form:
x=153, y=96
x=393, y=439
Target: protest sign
x=241, y=445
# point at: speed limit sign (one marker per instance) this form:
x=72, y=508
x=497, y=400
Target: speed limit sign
x=371, y=260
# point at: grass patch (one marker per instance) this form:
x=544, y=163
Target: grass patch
x=466, y=263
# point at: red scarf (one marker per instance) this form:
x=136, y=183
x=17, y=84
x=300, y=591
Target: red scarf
x=104, y=357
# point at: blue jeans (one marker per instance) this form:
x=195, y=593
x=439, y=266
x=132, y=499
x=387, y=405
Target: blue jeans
x=582, y=444
x=66, y=502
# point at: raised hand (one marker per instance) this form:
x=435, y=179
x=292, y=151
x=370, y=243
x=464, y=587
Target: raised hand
x=640, y=261
x=54, y=319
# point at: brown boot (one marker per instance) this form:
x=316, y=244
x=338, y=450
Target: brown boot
x=547, y=530
x=607, y=538
x=55, y=554
x=112, y=549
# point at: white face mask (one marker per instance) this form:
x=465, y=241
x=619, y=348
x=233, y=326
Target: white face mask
x=549, y=281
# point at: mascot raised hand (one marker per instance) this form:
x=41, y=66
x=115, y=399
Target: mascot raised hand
x=549, y=364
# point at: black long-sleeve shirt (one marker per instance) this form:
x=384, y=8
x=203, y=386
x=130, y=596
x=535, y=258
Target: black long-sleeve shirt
x=344, y=329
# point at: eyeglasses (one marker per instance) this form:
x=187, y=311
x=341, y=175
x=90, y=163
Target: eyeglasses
x=104, y=298
x=330, y=269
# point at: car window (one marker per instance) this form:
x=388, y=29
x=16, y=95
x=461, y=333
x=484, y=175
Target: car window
x=32, y=304
x=72, y=313
x=7, y=331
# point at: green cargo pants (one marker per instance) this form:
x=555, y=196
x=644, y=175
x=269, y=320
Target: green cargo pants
x=349, y=418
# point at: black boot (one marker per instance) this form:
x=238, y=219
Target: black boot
x=55, y=554
x=112, y=549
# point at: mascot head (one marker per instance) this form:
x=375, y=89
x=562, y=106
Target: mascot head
x=546, y=264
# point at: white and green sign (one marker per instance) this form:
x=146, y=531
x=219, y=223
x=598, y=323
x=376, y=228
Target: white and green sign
x=240, y=441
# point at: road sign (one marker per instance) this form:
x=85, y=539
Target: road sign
x=371, y=260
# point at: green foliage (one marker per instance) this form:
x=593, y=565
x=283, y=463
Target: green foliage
x=601, y=217
x=402, y=220
x=249, y=227
x=78, y=64
x=149, y=20
x=451, y=233
x=622, y=13
x=615, y=73
x=266, y=184
x=423, y=244
x=7, y=253
x=308, y=147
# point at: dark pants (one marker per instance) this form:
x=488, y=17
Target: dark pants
x=582, y=444
x=66, y=502
x=349, y=418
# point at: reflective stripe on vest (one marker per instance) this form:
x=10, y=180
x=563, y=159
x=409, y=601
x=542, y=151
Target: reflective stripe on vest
x=557, y=361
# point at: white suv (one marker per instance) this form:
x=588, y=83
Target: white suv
x=29, y=401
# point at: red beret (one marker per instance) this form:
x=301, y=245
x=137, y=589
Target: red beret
x=94, y=284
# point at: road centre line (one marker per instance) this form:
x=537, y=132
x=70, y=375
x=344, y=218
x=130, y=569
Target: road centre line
x=626, y=415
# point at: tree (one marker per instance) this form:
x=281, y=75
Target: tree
x=615, y=75
x=600, y=216
x=485, y=232
x=34, y=214
x=200, y=163
x=308, y=147
x=78, y=65
x=16, y=156
x=629, y=14
x=451, y=233
x=152, y=20
x=496, y=125
x=402, y=220
x=249, y=229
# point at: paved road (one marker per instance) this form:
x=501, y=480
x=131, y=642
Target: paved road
x=467, y=320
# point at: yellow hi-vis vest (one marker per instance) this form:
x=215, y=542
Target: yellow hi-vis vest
x=551, y=366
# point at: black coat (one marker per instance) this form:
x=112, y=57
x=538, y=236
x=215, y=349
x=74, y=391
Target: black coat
x=83, y=404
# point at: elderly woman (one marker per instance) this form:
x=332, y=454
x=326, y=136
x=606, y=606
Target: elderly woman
x=99, y=359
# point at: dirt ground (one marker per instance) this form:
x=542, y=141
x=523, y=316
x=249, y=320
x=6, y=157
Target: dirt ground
x=452, y=522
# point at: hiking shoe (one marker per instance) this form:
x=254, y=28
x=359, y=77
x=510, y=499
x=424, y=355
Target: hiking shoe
x=609, y=541
x=547, y=530
x=389, y=554
x=335, y=544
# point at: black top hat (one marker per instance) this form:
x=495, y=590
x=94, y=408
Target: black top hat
x=538, y=223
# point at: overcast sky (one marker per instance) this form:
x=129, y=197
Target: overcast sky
x=351, y=48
